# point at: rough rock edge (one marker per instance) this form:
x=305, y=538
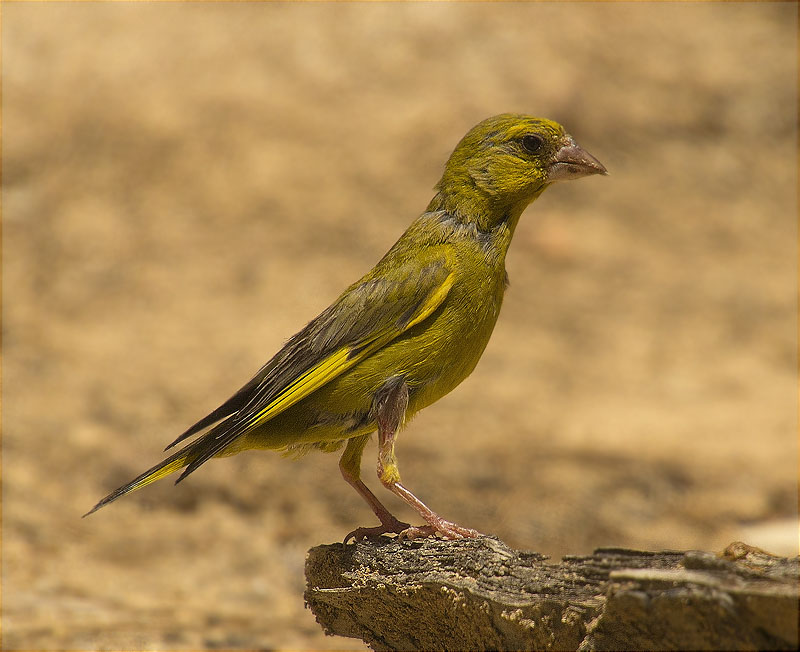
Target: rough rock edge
x=479, y=594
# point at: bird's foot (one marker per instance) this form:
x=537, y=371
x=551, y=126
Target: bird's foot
x=404, y=531
x=446, y=529
x=389, y=526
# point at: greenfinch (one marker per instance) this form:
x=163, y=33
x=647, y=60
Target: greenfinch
x=405, y=334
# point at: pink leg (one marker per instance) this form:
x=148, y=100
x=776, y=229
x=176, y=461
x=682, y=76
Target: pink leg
x=349, y=465
x=435, y=523
x=391, y=404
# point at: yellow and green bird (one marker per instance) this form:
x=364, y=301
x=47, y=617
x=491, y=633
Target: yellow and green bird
x=405, y=334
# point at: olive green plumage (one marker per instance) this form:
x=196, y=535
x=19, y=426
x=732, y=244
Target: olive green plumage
x=423, y=314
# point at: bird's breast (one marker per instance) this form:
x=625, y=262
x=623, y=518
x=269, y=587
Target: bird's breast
x=442, y=351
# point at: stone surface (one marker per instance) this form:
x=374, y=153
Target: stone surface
x=479, y=594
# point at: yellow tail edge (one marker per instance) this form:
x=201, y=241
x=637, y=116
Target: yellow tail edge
x=171, y=464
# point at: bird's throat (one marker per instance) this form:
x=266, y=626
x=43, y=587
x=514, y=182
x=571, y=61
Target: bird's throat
x=487, y=213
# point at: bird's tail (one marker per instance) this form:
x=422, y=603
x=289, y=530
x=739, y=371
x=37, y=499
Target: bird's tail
x=183, y=457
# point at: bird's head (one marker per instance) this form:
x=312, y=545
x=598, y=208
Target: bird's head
x=504, y=163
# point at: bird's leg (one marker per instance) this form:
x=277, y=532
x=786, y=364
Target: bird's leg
x=350, y=466
x=390, y=407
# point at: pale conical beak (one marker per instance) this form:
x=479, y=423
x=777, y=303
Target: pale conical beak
x=573, y=162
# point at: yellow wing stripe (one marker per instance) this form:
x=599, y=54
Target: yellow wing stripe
x=433, y=301
x=340, y=361
x=314, y=378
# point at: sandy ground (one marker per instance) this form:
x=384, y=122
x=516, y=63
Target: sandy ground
x=186, y=185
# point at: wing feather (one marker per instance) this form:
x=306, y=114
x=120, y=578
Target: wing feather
x=369, y=315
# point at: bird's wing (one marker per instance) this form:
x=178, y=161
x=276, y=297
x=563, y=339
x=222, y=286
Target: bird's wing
x=371, y=313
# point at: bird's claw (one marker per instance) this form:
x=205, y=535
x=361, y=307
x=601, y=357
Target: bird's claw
x=445, y=529
x=372, y=533
x=406, y=532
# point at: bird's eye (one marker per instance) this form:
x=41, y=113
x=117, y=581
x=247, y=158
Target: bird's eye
x=532, y=143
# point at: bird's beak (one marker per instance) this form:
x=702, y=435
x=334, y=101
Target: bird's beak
x=573, y=162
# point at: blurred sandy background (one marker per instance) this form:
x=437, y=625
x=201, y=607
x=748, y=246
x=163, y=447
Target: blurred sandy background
x=186, y=185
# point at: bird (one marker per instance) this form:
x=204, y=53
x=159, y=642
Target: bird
x=401, y=337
